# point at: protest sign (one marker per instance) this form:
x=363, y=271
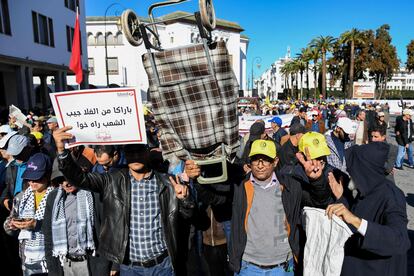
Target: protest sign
x=101, y=116
x=364, y=90
x=18, y=115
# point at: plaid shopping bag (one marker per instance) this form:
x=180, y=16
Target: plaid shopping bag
x=195, y=109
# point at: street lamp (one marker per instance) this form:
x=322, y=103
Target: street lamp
x=106, y=44
x=256, y=60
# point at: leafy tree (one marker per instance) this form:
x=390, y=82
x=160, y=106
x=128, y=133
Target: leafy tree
x=384, y=58
x=323, y=44
x=410, y=56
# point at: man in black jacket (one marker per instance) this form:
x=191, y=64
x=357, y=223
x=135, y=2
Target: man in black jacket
x=404, y=133
x=140, y=230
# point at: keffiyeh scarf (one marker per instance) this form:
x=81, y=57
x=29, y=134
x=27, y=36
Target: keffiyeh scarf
x=85, y=224
x=34, y=240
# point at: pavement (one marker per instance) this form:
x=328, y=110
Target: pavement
x=405, y=181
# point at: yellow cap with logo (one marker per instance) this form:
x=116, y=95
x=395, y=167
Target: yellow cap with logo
x=37, y=135
x=264, y=147
x=316, y=144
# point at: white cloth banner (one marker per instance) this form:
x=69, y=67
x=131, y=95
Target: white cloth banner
x=101, y=116
x=325, y=240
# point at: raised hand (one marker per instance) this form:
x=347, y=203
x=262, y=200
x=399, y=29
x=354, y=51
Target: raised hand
x=313, y=168
x=181, y=191
x=60, y=135
x=192, y=169
x=336, y=187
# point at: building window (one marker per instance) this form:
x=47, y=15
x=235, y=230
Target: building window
x=43, y=29
x=72, y=4
x=112, y=65
x=4, y=18
x=91, y=66
x=110, y=39
x=91, y=39
x=69, y=38
x=172, y=40
x=100, y=40
x=119, y=38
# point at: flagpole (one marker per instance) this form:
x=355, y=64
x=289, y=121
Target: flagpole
x=77, y=17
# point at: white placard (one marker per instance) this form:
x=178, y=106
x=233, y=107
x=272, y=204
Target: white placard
x=17, y=113
x=101, y=116
x=364, y=90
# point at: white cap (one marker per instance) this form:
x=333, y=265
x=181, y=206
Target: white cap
x=5, y=129
x=6, y=138
x=380, y=114
x=378, y=107
x=407, y=112
x=314, y=112
x=346, y=124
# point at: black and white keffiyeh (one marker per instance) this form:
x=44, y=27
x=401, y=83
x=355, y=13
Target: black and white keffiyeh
x=34, y=240
x=85, y=224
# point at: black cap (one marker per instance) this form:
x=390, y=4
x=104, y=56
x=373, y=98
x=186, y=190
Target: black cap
x=296, y=129
x=136, y=153
x=256, y=130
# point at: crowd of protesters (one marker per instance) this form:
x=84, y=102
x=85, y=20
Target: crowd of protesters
x=124, y=210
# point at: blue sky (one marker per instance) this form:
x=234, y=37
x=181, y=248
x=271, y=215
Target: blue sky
x=272, y=25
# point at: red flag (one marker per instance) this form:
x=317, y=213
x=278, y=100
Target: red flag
x=75, y=64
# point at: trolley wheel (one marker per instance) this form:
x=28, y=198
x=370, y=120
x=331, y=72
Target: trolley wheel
x=130, y=26
x=208, y=15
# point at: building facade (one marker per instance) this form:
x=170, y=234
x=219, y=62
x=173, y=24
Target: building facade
x=35, y=49
x=402, y=80
x=125, y=66
x=272, y=83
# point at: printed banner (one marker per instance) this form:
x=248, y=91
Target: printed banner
x=364, y=90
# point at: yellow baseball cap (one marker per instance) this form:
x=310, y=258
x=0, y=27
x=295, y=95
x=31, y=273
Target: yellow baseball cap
x=316, y=144
x=264, y=147
x=37, y=135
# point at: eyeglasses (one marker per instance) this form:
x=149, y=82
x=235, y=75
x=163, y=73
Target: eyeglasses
x=264, y=161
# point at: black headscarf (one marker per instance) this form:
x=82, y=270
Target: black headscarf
x=365, y=165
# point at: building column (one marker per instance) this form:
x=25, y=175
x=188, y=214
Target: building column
x=64, y=80
x=44, y=91
x=58, y=81
x=24, y=85
x=85, y=80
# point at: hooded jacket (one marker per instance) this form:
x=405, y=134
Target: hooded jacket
x=383, y=249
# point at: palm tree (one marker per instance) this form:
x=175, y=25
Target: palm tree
x=324, y=44
x=351, y=38
x=300, y=67
x=306, y=56
x=314, y=55
x=287, y=70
